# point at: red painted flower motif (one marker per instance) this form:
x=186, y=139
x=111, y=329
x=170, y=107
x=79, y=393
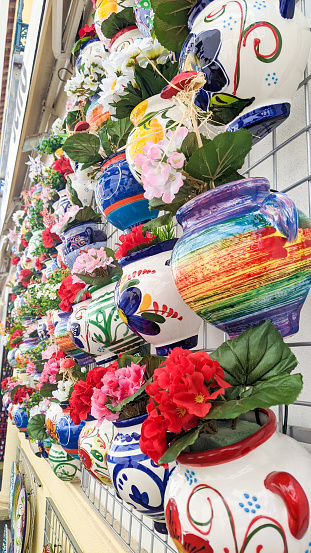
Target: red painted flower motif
x=85, y=458
x=184, y=541
x=129, y=241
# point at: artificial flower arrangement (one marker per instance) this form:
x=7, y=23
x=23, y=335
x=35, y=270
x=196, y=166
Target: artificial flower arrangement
x=86, y=81
x=138, y=238
x=196, y=399
x=96, y=267
x=51, y=144
x=74, y=216
x=86, y=34
x=15, y=336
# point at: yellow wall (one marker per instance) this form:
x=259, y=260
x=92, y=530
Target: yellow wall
x=27, y=10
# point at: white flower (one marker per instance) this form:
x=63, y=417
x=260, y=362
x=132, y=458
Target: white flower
x=36, y=167
x=17, y=216
x=57, y=127
x=63, y=390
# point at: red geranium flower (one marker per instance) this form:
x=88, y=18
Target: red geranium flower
x=13, y=297
x=25, y=276
x=62, y=166
x=87, y=31
x=22, y=393
x=4, y=382
x=38, y=265
x=15, y=260
x=49, y=238
x=128, y=241
x=24, y=242
x=68, y=292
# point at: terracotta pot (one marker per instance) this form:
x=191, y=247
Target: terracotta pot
x=250, y=496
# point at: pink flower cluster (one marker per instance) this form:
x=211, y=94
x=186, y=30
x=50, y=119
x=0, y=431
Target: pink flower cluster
x=30, y=368
x=161, y=166
x=51, y=368
x=71, y=212
x=117, y=385
x=87, y=263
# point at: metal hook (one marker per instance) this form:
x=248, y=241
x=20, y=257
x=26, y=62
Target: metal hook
x=63, y=69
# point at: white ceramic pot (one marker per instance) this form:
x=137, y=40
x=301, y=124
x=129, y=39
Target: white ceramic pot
x=52, y=415
x=252, y=496
x=104, y=8
x=148, y=301
x=250, y=50
x=94, y=441
x=83, y=187
x=93, y=48
x=64, y=466
x=77, y=326
x=124, y=38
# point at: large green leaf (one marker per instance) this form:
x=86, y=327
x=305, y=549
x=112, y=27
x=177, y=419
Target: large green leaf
x=283, y=389
x=258, y=354
x=104, y=140
x=170, y=22
x=47, y=389
x=190, y=144
x=225, y=107
x=161, y=221
x=227, y=151
x=179, y=445
x=119, y=131
x=118, y=21
x=36, y=428
x=83, y=147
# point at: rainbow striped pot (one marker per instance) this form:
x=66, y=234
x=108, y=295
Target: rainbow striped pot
x=244, y=257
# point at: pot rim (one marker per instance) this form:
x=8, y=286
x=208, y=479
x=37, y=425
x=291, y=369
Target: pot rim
x=149, y=251
x=234, y=451
x=130, y=422
x=120, y=33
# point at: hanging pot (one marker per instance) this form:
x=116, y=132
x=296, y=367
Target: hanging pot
x=51, y=417
x=81, y=186
x=144, y=16
x=107, y=334
x=251, y=496
x=124, y=38
x=148, y=302
x=119, y=196
x=136, y=478
x=24, y=350
x=64, y=466
x=94, y=441
x=42, y=329
x=20, y=419
x=152, y=118
x=11, y=357
x=247, y=50
x=67, y=432
x=95, y=115
x=77, y=325
x=64, y=341
x=84, y=236
x=244, y=257
x=93, y=48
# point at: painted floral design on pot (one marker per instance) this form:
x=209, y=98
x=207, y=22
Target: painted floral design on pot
x=149, y=303
x=94, y=441
x=95, y=114
x=68, y=432
x=245, y=256
x=124, y=38
x=152, y=118
x=84, y=236
x=136, y=478
x=64, y=466
x=144, y=16
x=63, y=339
x=42, y=329
x=119, y=196
x=247, y=49
x=77, y=326
x=250, y=496
x=107, y=334
x=92, y=48
x=51, y=417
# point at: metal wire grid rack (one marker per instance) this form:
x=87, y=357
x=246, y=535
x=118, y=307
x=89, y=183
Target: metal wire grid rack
x=30, y=482
x=134, y=530
x=56, y=532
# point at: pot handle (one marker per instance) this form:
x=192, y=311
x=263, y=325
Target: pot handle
x=296, y=502
x=281, y=211
x=287, y=8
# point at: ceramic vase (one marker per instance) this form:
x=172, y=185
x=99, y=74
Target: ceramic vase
x=81, y=186
x=250, y=496
x=151, y=118
x=247, y=49
x=244, y=257
x=67, y=433
x=51, y=417
x=136, y=478
x=6, y=401
x=144, y=16
x=20, y=419
x=63, y=204
x=148, y=302
x=119, y=196
x=107, y=334
x=95, y=115
x=81, y=237
x=64, y=341
x=77, y=326
x=94, y=441
x=21, y=354
x=64, y=466
x=42, y=329
x=11, y=357
x=34, y=242
x=124, y=38
x=94, y=48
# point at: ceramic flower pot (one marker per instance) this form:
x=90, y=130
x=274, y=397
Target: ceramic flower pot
x=93, y=48
x=246, y=50
x=244, y=257
x=95, y=115
x=63, y=204
x=63, y=339
x=124, y=38
x=6, y=401
x=103, y=9
x=64, y=466
x=94, y=441
x=24, y=349
x=144, y=16
x=136, y=478
x=250, y=496
x=81, y=237
x=81, y=186
x=11, y=357
x=77, y=326
x=107, y=334
x=42, y=329
x=68, y=432
x=20, y=419
x=34, y=242
x=148, y=302
x=51, y=417
x=119, y=196
x=152, y=118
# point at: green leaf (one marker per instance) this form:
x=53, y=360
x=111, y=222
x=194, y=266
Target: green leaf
x=77, y=45
x=179, y=445
x=170, y=22
x=226, y=151
x=104, y=140
x=153, y=317
x=83, y=216
x=279, y=390
x=225, y=107
x=118, y=21
x=119, y=131
x=82, y=147
x=126, y=360
x=73, y=196
x=161, y=221
x=258, y=354
x=129, y=283
x=190, y=144
x=152, y=363
x=80, y=294
x=180, y=199
x=47, y=389
x=36, y=428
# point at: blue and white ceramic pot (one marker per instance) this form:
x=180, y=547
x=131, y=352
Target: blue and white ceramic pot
x=43, y=331
x=94, y=441
x=81, y=237
x=77, y=325
x=68, y=433
x=119, y=196
x=148, y=302
x=11, y=357
x=81, y=185
x=139, y=481
x=20, y=419
x=94, y=48
x=247, y=50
